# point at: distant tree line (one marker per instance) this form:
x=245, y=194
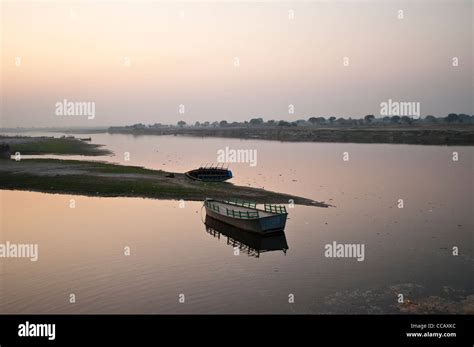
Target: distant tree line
x=451, y=118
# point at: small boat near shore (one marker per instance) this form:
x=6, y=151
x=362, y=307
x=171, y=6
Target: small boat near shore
x=245, y=215
x=210, y=174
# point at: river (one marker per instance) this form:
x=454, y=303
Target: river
x=176, y=266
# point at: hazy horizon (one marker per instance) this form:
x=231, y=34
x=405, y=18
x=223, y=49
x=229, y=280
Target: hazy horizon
x=138, y=62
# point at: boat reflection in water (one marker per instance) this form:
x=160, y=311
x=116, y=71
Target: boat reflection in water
x=250, y=243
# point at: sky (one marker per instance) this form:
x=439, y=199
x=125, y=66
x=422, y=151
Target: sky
x=161, y=62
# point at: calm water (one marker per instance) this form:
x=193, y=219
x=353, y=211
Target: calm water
x=407, y=250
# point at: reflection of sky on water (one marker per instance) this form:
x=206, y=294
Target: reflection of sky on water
x=81, y=250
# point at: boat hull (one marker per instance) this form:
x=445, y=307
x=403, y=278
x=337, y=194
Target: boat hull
x=209, y=175
x=264, y=225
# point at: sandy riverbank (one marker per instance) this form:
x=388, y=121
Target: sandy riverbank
x=110, y=180
x=95, y=178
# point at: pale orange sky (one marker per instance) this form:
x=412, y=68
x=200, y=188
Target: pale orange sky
x=183, y=53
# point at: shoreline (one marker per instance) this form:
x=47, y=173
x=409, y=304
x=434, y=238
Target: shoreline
x=41, y=145
x=417, y=135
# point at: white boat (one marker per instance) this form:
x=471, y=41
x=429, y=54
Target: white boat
x=246, y=215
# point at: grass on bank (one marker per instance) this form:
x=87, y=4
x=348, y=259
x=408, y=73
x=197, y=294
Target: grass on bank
x=46, y=145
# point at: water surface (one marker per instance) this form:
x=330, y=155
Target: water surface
x=407, y=250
